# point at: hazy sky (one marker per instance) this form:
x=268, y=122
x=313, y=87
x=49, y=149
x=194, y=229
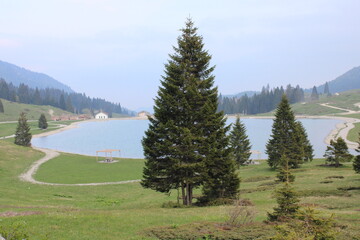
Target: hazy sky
x=117, y=49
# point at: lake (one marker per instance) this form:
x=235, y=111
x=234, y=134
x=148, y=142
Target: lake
x=126, y=135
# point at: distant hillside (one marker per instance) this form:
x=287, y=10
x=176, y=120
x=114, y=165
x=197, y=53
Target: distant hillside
x=13, y=110
x=16, y=75
x=348, y=81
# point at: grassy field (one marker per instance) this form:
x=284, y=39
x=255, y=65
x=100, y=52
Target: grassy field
x=353, y=134
x=7, y=129
x=71, y=168
x=313, y=108
x=125, y=211
x=12, y=111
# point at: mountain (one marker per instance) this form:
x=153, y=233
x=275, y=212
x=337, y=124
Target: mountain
x=16, y=75
x=240, y=94
x=348, y=81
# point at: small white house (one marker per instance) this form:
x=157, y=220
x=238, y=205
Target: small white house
x=101, y=115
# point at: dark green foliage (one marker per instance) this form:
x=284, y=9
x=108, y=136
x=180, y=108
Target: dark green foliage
x=284, y=175
x=337, y=152
x=356, y=163
x=240, y=143
x=327, y=90
x=22, y=134
x=62, y=103
x=186, y=144
x=306, y=149
x=42, y=122
x=314, y=94
x=1, y=107
x=286, y=198
x=288, y=139
x=308, y=224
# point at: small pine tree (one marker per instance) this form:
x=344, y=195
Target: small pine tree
x=307, y=150
x=22, y=134
x=42, y=122
x=337, y=152
x=356, y=163
x=286, y=198
x=327, y=90
x=1, y=107
x=314, y=94
x=240, y=143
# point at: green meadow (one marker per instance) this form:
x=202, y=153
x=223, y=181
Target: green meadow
x=7, y=129
x=126, y=211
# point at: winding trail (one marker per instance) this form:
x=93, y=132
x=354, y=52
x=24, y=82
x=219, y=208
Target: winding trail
x=50, y=154
x=346, y=111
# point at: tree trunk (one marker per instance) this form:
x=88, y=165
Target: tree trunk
x=183, y=194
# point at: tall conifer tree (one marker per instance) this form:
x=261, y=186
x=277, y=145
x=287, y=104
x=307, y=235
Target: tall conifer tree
x=314, y=94
x=283, y=143
x=22, y=134
x=327, y=90
x=240, y=143
x=186, y=144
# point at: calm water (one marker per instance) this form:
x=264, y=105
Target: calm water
x=126, y=135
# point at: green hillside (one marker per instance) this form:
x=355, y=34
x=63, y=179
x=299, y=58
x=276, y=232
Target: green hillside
x=12, y=111
x=346, y=100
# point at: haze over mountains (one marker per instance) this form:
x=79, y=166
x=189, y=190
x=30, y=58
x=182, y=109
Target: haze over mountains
x=17, y=75
x=348, y=81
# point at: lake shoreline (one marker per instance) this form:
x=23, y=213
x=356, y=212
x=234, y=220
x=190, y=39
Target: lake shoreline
x=341, y=129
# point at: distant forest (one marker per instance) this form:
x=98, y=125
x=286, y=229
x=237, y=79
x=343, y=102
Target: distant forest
x=263, y=102
x=71, y=102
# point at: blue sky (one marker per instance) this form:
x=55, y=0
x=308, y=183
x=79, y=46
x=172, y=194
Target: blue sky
x=117, y=49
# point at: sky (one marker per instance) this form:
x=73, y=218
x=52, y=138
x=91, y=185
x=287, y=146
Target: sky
x=116, y=49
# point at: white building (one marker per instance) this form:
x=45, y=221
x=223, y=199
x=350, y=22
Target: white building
x=101, y=115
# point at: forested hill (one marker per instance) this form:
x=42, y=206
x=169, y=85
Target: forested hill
x=71, y=102
x=348, y=81
x=17, y=75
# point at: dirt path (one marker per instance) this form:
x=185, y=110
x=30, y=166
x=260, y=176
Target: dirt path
x=347, y=111
x=50, y=154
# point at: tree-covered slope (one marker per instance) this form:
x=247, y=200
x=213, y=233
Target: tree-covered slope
x=17, y=75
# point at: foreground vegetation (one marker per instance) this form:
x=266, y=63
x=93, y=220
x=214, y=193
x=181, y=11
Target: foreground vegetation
x=128, y=211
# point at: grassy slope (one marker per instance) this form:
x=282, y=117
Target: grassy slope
x=344, y=100
x=123, y=211
x=12, y=111
x=353, y=134
x=7, y=129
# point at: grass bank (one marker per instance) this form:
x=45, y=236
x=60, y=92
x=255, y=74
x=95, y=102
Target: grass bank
x=124, y=211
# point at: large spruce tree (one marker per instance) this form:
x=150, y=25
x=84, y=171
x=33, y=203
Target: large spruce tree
x=186, y=144
x=22, y=134
x=288, y=139
x=240, y=143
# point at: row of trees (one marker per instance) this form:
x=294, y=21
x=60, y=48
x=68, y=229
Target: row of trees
x=71, y=102
x=265, y=101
